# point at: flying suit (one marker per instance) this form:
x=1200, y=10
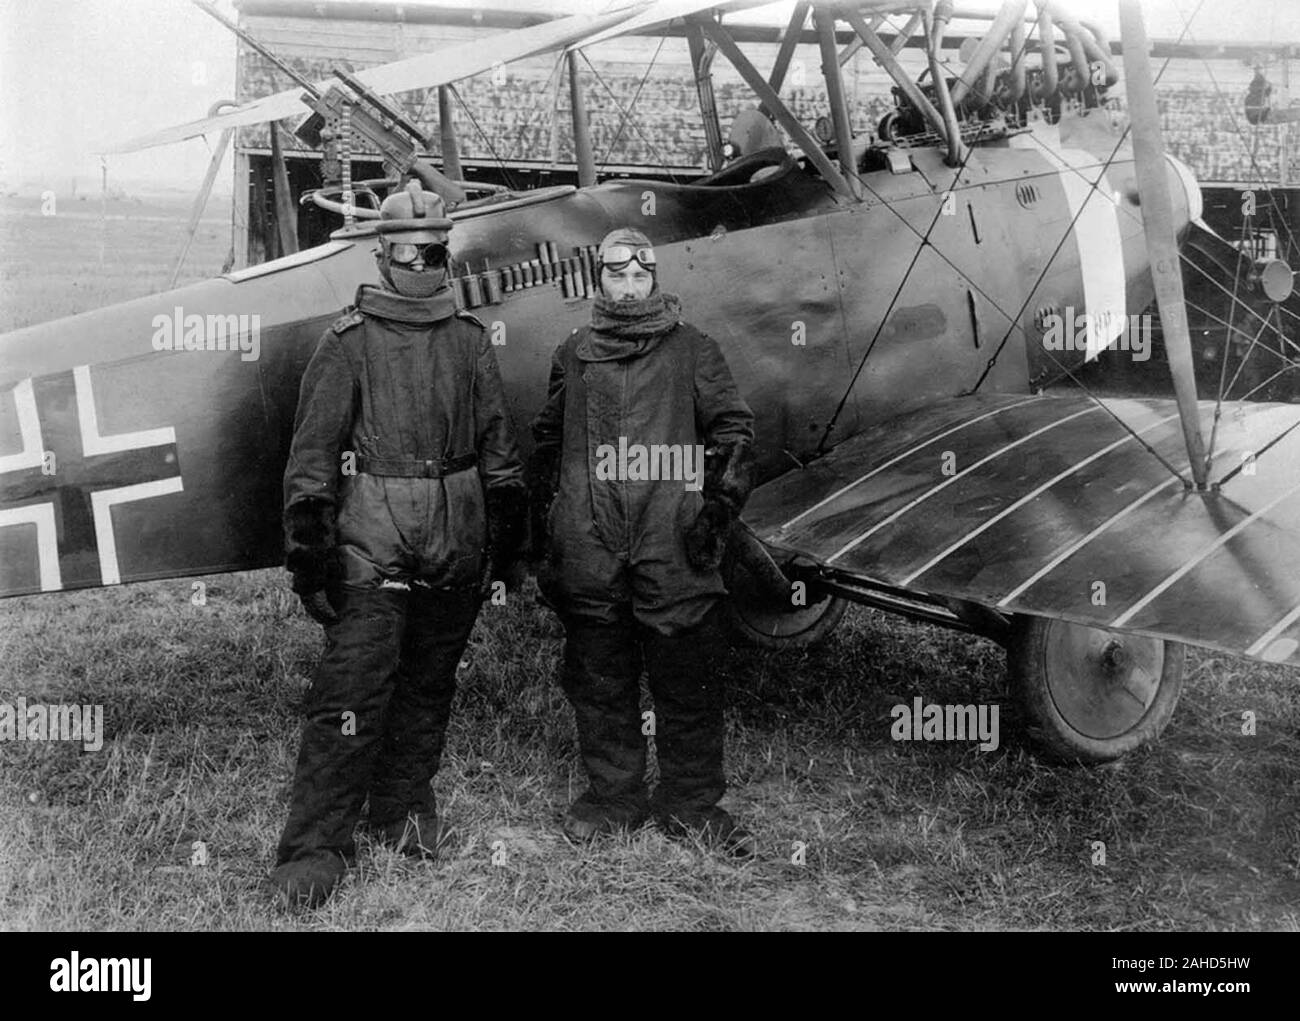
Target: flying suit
x=620, y=542
x=402, y=455
x=618, y=570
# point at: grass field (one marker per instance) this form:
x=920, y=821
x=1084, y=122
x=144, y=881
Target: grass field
x=1201, y=831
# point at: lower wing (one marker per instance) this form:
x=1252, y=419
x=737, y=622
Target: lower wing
x=1049, y=506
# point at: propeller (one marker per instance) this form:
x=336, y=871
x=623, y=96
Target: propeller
x=1158, y=226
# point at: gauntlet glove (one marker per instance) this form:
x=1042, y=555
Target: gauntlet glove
x=728, y=479
x=507, y=521
x=308, y=526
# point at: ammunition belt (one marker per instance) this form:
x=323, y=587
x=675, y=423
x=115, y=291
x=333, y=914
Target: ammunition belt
x=576, y=276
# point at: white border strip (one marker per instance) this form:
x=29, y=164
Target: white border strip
x=1127, y=615
x=29, y=425
x=1074, y=547
x=101, y=504
x=1266, y=639
x=946, y=483
x=47, y=539
x=905, y=454
x=1029, y=496
x=92, y=442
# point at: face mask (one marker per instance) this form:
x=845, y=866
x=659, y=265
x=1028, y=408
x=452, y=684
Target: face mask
x=412, y=284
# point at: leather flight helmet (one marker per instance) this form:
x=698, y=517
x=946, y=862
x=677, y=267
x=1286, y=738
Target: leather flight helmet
x=413, y=215
x=622, y=236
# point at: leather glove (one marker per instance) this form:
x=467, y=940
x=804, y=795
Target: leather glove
x=543, y=480
x=308, y=530
x=728, y=478
x=706, y=539
x=507, y=517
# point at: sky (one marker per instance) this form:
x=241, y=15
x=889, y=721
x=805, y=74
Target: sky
x=77, y=75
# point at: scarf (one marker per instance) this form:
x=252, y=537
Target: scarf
x=398, y=308
x=628, y=329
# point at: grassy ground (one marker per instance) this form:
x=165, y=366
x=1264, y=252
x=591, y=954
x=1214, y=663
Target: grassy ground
x=72, y=261
x=201, y=710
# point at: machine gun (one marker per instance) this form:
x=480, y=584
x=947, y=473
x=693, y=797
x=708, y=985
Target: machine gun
x=339, y=111
x=342, y=110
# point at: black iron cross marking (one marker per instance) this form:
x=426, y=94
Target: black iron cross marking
x=71, y=506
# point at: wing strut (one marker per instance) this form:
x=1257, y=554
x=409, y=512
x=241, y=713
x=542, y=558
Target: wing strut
x=825, y=24
x=793, y=30
x=582, y=152
x=885, y=58
x=772, y=102
x=205, y=189
x=701, y=62
x=447, y=136
x=1157, y=224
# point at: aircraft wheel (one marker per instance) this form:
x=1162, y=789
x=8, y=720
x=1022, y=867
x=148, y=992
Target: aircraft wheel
x=754, y=622
x=1092, y=695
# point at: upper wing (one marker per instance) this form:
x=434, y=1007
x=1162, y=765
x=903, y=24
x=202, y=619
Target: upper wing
x=1047, y=506
x=449, y=64
x=662, y=11
x=425, y=71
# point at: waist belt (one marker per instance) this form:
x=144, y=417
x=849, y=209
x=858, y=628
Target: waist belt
x=434, y=468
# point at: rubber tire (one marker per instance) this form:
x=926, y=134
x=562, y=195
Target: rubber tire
x=751, y=625
x=1055, y=728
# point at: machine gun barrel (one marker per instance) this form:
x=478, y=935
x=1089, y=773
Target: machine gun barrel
x=392, y=114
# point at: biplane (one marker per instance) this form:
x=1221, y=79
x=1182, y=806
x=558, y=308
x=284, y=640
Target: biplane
x=892, y=307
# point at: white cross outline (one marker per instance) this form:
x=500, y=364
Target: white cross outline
x=42, y=514
x=101, y=501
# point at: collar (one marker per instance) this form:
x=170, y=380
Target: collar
x=385, y=304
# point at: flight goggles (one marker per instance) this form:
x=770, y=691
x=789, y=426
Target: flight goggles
x=404, y=253
x=615, y=257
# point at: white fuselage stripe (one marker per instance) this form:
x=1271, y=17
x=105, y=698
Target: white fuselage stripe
x=1101, y=249
x=1095, y=215
x=946, y=483
x=1029, y=496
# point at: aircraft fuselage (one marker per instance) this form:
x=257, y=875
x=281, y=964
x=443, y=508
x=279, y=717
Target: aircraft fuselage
x=122, y=461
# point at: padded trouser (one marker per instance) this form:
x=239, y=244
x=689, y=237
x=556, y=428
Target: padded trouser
x=391, y=661
x=601, y=675
x=689, y=726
